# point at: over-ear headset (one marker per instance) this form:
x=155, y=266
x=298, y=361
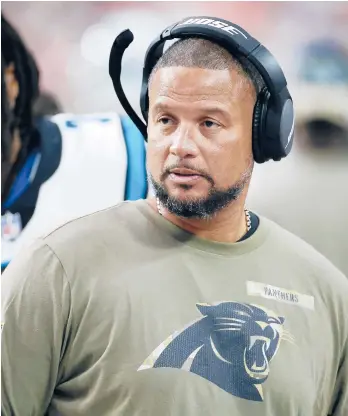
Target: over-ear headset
x=273, y=118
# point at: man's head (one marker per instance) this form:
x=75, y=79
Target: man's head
x=201, y=103
x=20, y=87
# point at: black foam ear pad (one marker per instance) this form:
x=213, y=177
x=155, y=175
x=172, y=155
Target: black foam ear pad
x=257, y=152
x=259, y=119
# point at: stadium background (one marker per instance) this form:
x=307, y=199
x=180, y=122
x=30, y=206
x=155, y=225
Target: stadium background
x=306, y=193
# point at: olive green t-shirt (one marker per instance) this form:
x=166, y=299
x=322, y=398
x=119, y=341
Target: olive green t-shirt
x=123, y=313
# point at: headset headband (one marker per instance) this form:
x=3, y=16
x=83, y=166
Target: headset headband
x=233, y=38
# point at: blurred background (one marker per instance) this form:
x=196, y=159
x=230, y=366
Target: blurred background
x=307, y=193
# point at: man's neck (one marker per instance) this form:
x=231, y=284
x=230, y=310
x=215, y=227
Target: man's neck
x=227, y=226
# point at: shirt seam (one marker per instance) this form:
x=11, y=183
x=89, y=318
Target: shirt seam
x=66, y=279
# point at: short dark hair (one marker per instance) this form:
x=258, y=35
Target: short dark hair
x=202, y=53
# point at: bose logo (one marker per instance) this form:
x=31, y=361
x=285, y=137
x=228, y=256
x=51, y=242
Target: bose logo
x=214, y=23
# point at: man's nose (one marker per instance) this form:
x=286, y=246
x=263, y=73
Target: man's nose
x=183, y=143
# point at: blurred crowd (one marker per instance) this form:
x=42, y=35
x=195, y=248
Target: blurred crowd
x=306, y=193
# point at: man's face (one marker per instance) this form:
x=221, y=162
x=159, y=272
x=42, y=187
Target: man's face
x=12, y=86
x=199, y=138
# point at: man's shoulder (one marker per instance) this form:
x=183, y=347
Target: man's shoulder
x=113, y=222
x=92, y=126
x=74, y=122
x=302, y=255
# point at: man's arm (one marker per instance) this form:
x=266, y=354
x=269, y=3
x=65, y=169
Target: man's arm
x=340, y=403
x=35, y=323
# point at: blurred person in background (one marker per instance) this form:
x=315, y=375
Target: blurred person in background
x=322, y=93
x=8, y=141
x=57, y=168
x=18, y=68
x=185, y=303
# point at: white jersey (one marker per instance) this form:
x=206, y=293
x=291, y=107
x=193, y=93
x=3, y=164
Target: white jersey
x=102, y=163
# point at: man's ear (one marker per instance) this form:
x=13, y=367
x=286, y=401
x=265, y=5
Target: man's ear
x=12, y=86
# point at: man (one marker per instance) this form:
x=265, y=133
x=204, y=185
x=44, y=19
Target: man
x=184, y=304
x=60, y=168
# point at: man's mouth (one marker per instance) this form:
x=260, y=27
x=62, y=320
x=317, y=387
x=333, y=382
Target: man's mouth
x=184, y=179
x=184, y=172
x=184, y=176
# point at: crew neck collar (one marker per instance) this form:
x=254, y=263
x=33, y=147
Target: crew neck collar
x=201, y=244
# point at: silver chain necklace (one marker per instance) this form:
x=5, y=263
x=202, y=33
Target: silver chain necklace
x=246, y=211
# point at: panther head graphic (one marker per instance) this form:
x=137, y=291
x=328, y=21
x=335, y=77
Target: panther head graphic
x=232, y=346
x=244, y=332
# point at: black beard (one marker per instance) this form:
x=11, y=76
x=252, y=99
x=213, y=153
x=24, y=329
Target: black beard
x=204, y=208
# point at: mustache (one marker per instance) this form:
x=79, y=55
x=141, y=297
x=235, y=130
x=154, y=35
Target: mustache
x=166, y=172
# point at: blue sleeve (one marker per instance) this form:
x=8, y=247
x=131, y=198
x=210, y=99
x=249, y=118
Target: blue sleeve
x=136, y=182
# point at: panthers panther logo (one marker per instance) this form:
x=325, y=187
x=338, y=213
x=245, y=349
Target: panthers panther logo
x=231, y=346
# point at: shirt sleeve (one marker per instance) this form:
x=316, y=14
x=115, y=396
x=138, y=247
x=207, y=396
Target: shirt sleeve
x=35, y=324
x=340, y=403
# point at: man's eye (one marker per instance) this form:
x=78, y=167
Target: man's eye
x=209, y=124
x=164, y=120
